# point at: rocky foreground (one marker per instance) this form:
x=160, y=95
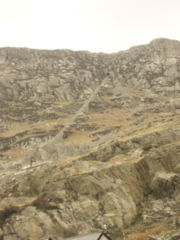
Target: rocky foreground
x=90, y=140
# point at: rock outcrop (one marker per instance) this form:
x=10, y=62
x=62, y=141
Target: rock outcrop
x=88, y=140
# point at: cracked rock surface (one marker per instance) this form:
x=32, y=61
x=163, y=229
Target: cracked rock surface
x=88, y=140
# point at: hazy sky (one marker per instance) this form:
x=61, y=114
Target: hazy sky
x=94, y=25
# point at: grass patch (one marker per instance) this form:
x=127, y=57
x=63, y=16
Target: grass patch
x=136, y=219
x=147, y=147
x=6, y=213
x=44, y=204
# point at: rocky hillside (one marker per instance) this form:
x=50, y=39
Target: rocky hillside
x=89, y=140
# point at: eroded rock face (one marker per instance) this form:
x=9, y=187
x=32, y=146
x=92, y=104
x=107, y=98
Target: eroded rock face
x=64, y=75
x=48, y=75
x=88, y=140
x=74, y=198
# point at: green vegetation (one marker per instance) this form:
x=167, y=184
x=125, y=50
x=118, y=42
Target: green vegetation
x=137, y=218
x=147, y=146
x=6, y=213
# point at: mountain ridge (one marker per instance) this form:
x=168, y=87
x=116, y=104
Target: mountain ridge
x=88, y=140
